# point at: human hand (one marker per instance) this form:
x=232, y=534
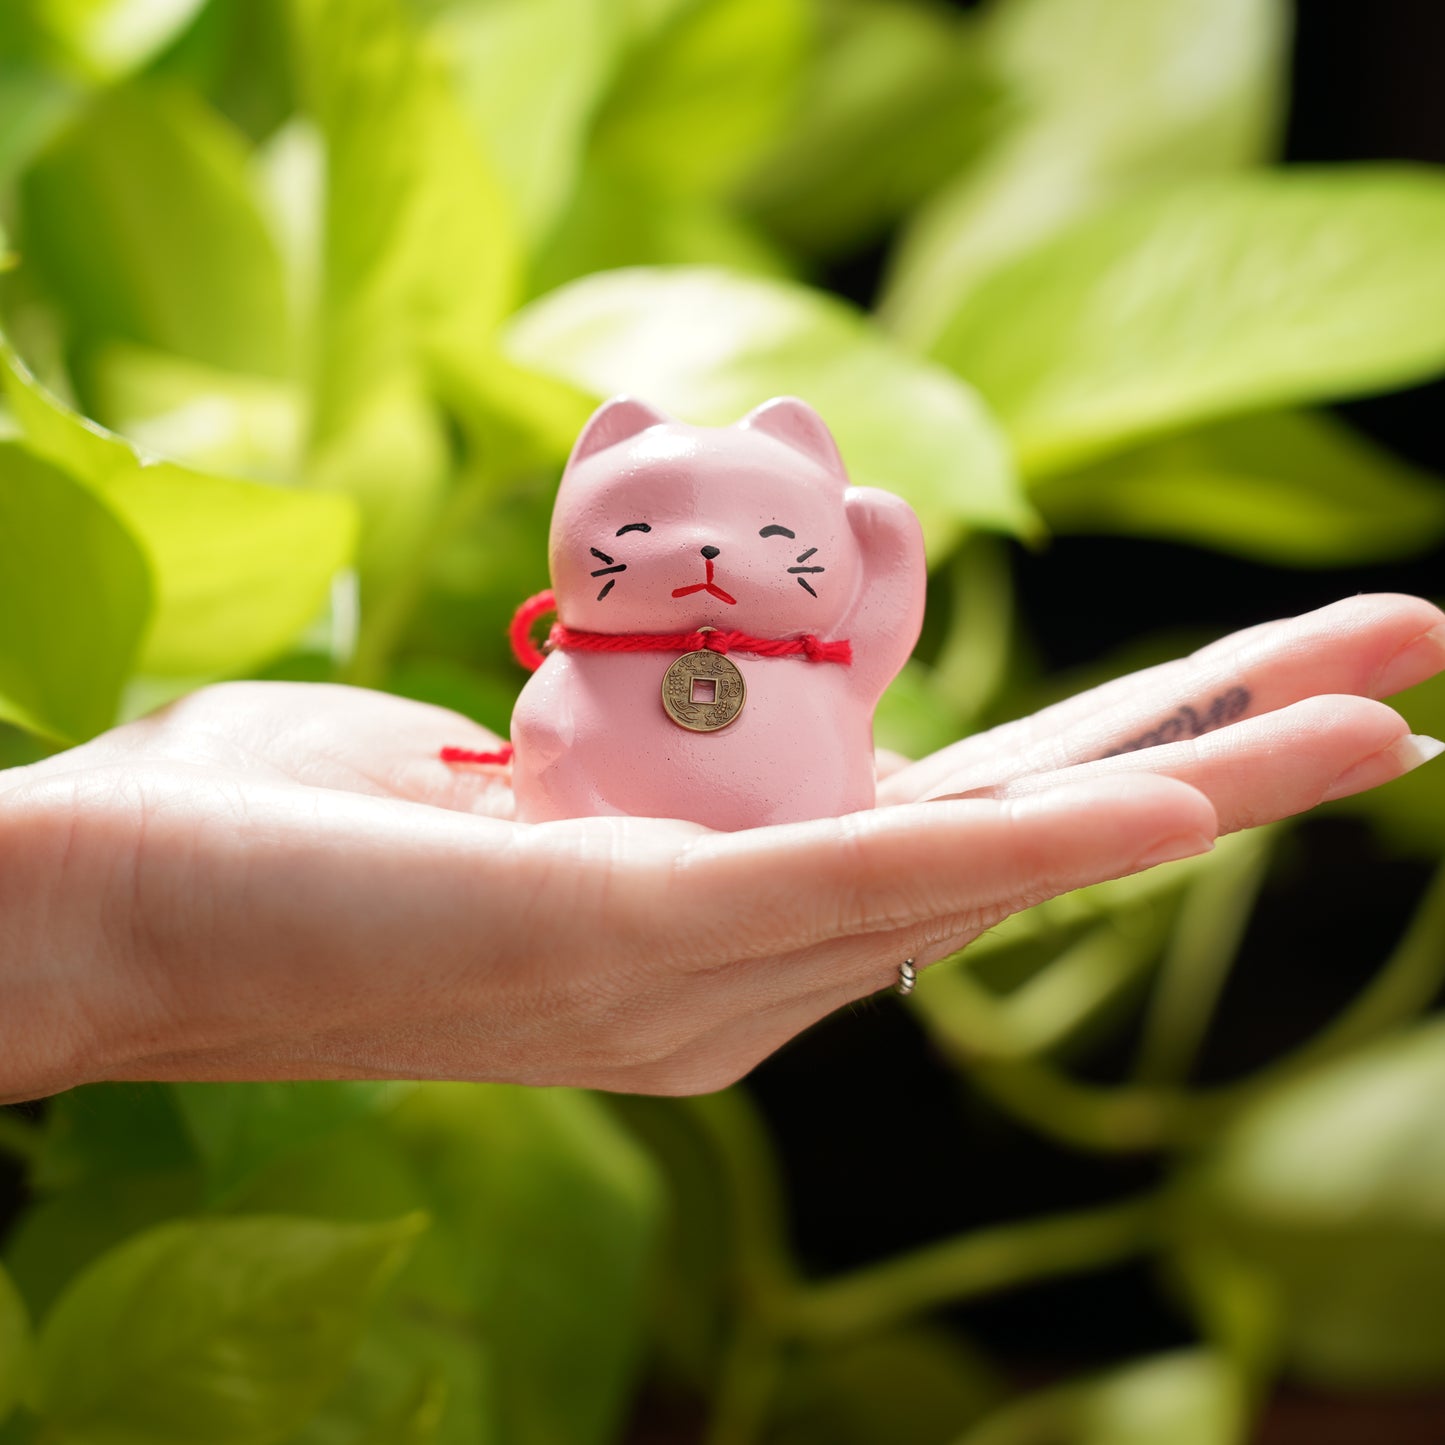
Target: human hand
x=273, y=881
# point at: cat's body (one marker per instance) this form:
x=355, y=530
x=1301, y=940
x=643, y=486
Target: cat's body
x=661, y=527
x=752, y=771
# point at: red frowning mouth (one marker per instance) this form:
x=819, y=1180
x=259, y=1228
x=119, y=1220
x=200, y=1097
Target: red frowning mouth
x=709, y=587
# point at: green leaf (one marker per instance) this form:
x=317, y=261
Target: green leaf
x=614, y=221
x=550, y=1211
x=1228, y=296
x=236, y=55
x=913, y=1387
x=75, y=593
x=238, y=1129
x=102, y=1130
x=16, y=1346
x=527, y=1290
x=24, y=37
x=701, y=1251
x=487, y=698
x=419, y=258
x=142, y=222
x=422, y=1376
x=912, y=718
x=694, y=105
x=1188, y=1398
x=418, y=238
x=108, y=39
x=33, y=105
x=1330, y=1191
x=426, y=1339
x=519, y=420
x=1101, y=99
x=708, y=346
x=529, y=98
x=62, y=1234
x=230, y=1331
x=419, y=1420
x=488, y=561
x=213, y=421
x=239, y=568
x=19, y=749
x=894, y=101
x=1285, y=488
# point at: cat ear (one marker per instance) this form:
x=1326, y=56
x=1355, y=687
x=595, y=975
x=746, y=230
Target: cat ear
x=614, y=421
x=797, y=425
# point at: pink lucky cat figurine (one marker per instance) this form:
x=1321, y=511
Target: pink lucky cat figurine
x=711, y=585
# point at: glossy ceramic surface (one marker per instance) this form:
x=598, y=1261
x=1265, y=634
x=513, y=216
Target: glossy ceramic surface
x=662, y=527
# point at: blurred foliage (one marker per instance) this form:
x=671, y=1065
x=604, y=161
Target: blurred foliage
x=216, y=1329
x=305, y=301
x=1188, y=1399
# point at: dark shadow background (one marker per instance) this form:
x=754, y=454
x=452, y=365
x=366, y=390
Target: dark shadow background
x=883, y=1145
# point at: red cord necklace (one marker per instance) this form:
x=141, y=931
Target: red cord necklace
x=710, y=639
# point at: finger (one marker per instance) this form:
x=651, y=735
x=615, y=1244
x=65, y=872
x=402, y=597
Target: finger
x=1369, y=646
x=757, y=1007
x=771, y=890
x=1322, y=749
x=1268, y=767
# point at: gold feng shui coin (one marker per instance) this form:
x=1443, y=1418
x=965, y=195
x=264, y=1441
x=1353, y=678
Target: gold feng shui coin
x=703, y=691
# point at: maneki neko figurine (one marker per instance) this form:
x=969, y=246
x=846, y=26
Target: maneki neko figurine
x=729, y=611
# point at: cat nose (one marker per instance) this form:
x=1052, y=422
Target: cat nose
x=709, y=552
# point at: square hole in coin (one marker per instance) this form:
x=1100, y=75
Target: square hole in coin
x=704, y=689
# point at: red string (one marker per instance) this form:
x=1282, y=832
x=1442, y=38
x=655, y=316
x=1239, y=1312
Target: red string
x=523, y=648
x=500, y=758
x=723, y=640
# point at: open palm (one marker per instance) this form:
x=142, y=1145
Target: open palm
x=273, y=880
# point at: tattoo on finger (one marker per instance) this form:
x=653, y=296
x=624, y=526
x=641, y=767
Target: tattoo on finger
x=1188, y=722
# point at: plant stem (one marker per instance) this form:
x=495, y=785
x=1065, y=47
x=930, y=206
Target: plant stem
x=1106, y=1119
x=739, y=1142
x=976, y=651
x=975, y=1264
x=1118, y=1119
x=764, y=1276
x=1047, y=1011
x=1207, y=933
x=750, y=1371
x=977, y=1031
x=19, y=1137
x=1403, y=988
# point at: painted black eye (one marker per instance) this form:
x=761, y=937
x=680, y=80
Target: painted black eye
x=634, y=527
x=776, y=531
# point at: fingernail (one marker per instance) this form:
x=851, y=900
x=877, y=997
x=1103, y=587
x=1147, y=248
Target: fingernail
x=1403, y=755
x=993, y=791
x=1416, y=661
x=1170, y=850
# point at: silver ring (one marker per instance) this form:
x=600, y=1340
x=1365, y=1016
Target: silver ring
x=907, y=977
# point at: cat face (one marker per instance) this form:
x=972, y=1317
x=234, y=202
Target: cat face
x=664, y=527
